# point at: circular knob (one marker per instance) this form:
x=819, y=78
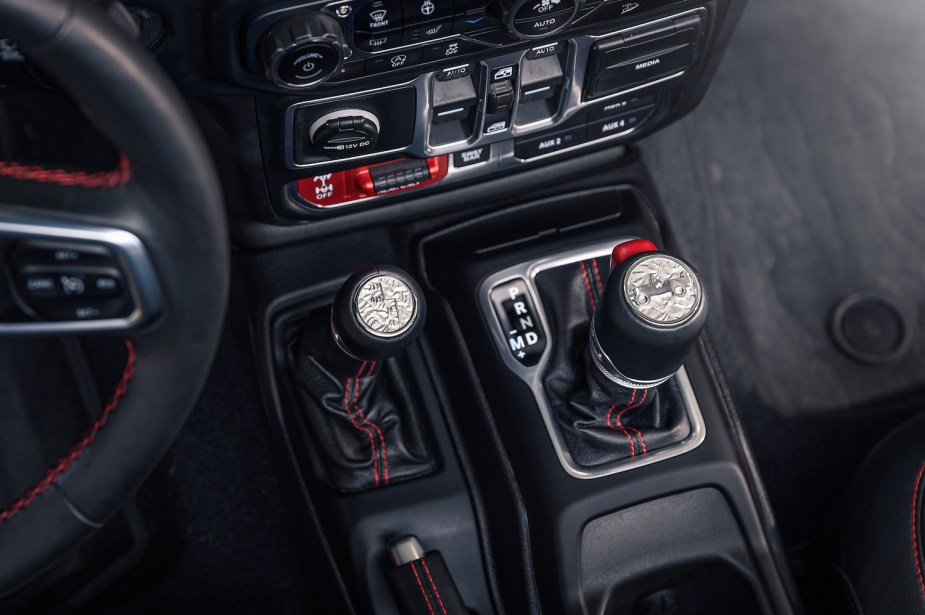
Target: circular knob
x=652, y=312
x=301, y=51
x=345, y=133
x=377, y=313
x=538, y=18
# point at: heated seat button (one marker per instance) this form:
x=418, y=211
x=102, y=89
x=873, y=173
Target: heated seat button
x=519, y=322
x=427, y=32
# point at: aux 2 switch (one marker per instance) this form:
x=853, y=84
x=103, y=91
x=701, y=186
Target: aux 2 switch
x=520, y=324
x=345, y=133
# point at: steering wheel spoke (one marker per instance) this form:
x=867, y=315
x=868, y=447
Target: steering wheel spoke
x=64, y=277
x=147, y=242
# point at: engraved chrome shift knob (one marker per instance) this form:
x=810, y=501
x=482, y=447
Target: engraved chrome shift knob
x=652, y=312
x=377, y=313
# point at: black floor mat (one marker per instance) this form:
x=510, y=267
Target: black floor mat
x=808, y=162
x=798, y=181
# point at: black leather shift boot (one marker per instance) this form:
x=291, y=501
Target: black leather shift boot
x=601, y=421
x=364, y=425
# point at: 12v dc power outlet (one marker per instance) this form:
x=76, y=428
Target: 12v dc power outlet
x=343, y=134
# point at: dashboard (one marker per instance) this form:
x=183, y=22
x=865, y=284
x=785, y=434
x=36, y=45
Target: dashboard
x=357, y=104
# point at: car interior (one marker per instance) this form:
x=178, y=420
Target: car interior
x=449, y=307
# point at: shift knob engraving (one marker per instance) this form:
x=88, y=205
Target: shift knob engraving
x=662, y=289
x=385, y=305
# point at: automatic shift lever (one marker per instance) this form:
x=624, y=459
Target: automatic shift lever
x=651, y=313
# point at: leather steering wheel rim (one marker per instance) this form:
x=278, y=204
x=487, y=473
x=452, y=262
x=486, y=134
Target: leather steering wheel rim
x=173, y=203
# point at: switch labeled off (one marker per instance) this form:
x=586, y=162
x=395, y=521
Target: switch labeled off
x=520, y=324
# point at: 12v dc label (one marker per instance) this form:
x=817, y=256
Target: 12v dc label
x=520, y=325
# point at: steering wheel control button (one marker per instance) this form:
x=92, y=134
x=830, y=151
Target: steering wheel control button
x=519, y=323
x=871, y=329
x=62, y=282
x=345, y=133
x=302, y=51
x=651, y=314
x=662, y=289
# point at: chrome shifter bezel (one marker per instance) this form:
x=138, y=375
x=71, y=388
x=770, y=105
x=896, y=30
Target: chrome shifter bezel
x=532, y=375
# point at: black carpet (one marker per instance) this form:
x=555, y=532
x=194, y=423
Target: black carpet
x=798, y=181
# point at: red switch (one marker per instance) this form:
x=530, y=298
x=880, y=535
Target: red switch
x=630, y=248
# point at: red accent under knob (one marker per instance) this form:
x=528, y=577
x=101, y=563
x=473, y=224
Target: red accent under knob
x=630, y=248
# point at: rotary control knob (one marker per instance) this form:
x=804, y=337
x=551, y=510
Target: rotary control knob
x=651, y=314
x=345, y=133
x=301, y=51
x=531, y=19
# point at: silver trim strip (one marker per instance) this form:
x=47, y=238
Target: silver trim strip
x=140, y=278
x=532, y=376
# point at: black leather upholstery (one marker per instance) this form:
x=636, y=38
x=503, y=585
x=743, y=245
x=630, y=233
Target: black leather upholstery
x=366, y=426
x=600, y=421
x=880, y=558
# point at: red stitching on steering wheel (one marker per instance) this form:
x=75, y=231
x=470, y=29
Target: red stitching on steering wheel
x=81, y=179
x=52, y=474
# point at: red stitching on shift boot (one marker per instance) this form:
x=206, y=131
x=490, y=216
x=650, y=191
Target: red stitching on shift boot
x=642, y=439
x=359, y=411
x=620, y=426
x=915, y=538
x=81, y=179
x=423, y=591
x=372, y=368
x=52, y=474
x=369, y=434
x=584, y=272
x=434, y=585
x=597, y=274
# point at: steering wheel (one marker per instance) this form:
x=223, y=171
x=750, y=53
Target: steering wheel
x=159, y=219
